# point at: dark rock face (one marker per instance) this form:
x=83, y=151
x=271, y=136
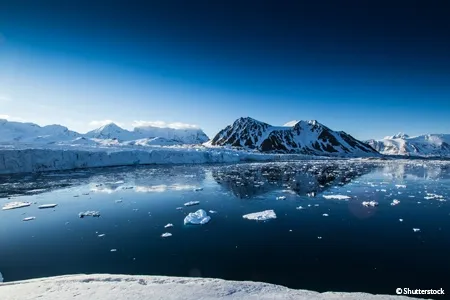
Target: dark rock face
x=305, y=137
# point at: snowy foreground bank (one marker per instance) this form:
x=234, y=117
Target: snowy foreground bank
x=23, y=160
x=109, y=287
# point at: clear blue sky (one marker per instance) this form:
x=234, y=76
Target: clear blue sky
x=370, y=70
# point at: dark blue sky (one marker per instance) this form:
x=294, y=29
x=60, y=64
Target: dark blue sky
x=371, y=68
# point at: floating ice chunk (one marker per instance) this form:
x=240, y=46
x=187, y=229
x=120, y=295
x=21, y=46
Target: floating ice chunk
x=312, y=194
x=89, y=213
x=261, y=216
x=118, y=201
x=101, y=235
x=16, y=204
x=198, y=189
x=416, y=229
x=179, y=208
x=299, y=207
x=43, y=206
x=198, y=218
x=167, y=234
x=29, y=219
x=309, y=205
x=168, y=225
x=370, y=203
x=316, y=205
x=395, y=202
x=113, y=250
x=401, y=220
x=400, y=186
x=325, y=215
x=319, y=237
x=336, y=197
x=281, y=198
x=383, y=190
x=190, y=203
x=213, y=212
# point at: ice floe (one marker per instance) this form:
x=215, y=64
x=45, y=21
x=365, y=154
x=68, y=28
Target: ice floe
x=431, y=196
x=166, y=234
x=370, y=203
x=43, y=206
x=15, y=204
x=281, y=198
x=395, y=202
x=199, y=217
x=89, y=213
x=179, y=208
x=29, y=219
x=168, y=225
x=190, y=203
x=261, y=216
x=336, y=197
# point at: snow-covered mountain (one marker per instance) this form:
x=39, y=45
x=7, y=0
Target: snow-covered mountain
x=306, y=137
x=17, y=132
x=110, y=134
x=428, y=145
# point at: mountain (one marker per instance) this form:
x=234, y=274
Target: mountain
x=306, y=137
x=150, y=135
x=428, y=145
x=184, y=136
x=17, y=132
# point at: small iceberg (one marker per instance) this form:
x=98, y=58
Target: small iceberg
x=325, y=215
x=416, y=229
x=29, y=219
x=213, y=212
x=89, y=213
x=168, y=225
x=43, y=206
x=198, y=189
x=179, y=208
x=118, y=201
x=167, y=234
x=191, y=203
x=113, y=250
x=400, y=186
x=319, y=237
x=312, y=194
x=281, y=198
x=299, y=207
x=261, y=216
x=197, y=218
x=395, y=202
x=370, y=203
x=101, y=235
x=16, y=204
x=401, y=220
x=336, y=197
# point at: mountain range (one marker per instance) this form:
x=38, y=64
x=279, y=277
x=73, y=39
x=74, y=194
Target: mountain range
x=303, y=137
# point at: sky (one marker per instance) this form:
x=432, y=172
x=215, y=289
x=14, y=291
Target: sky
x=370, y=68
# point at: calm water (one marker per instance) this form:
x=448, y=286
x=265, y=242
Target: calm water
x=361, y=248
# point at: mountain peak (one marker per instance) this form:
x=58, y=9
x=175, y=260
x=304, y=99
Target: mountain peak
x=291, y=123
x=400, y=135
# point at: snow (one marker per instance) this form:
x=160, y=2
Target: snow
x=89, y=213
x=198, y=218
x=191, y=203
x=336, y=197
x=261, y=216
x=166, y=234
x=29, y=219
x=15, y=204
x=44, y=206
x=138, y=287
x=168, y=225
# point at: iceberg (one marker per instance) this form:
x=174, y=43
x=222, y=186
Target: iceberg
x=336, y=197
x=15, y=204
x=89, y=213
x=167, y=234
x=198, y=218
x=325, y=215
x=29, y=218
x=416, y=229
x=281, y=198
x=43, y=206
x=190, y=203
x=261, y=216
x=168, y=225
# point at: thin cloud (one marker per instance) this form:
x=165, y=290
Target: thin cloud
x=162, y=124
x=11, y=118
x=4, y=98
x=100, y=123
